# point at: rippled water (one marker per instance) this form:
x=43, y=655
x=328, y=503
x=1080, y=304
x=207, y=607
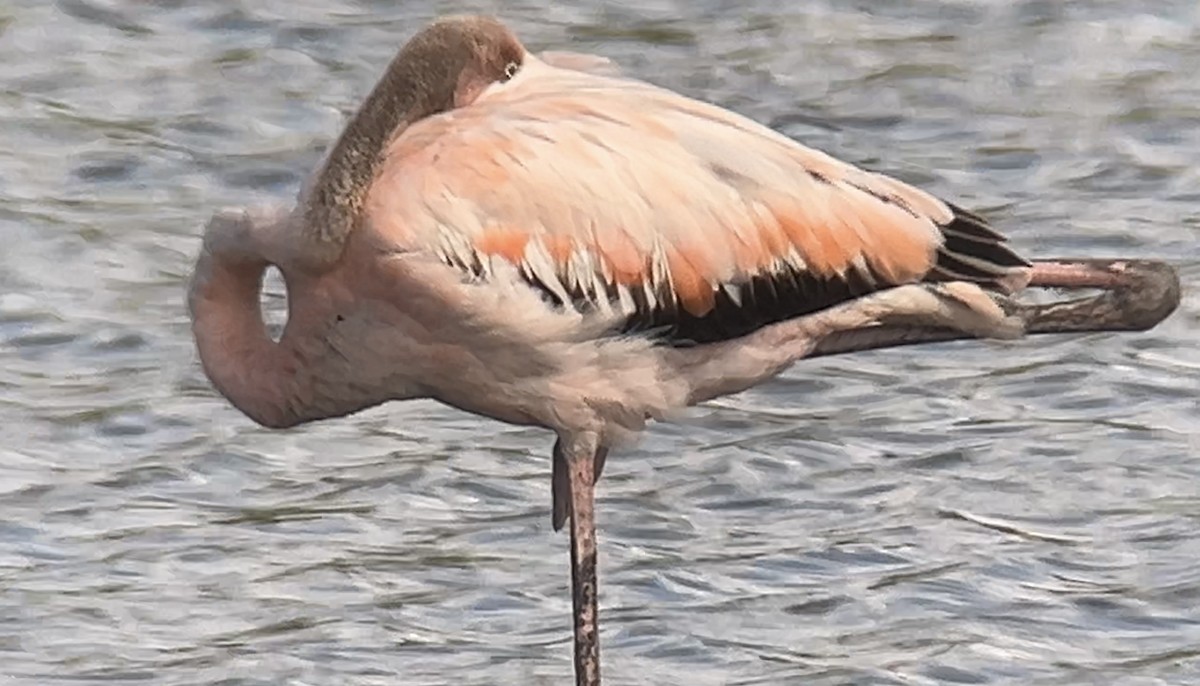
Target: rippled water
x=1022, y=513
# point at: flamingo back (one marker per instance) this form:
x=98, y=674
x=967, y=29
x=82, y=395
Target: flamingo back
x=610, y=195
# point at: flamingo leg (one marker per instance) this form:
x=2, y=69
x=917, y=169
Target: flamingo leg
x=579, y=455
x=560, y=491
x=1134, y=296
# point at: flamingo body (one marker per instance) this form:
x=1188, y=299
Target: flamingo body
x=495, y=270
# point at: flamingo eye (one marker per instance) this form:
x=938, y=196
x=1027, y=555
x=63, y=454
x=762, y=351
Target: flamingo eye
x=510, y=70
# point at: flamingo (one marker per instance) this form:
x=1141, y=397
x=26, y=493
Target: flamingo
x=545, y=242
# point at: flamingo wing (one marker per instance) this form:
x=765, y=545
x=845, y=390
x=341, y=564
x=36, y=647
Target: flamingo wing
x=613, y=195
x=580, y=61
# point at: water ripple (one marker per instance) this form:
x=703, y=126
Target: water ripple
x=1018, y=513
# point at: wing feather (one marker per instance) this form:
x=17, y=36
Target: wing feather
x=610, y=194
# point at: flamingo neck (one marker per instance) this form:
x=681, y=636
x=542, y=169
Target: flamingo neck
x=259, y=376
x=335, y=202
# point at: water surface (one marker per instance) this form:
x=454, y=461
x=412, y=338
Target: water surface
x=1017, y=513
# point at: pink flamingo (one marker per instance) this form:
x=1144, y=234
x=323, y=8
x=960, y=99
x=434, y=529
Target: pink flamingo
x=545, y=243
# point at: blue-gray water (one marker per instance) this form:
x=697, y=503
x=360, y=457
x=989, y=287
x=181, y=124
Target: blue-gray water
x=1024, y=513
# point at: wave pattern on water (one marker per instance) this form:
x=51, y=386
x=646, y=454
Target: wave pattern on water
x=1017, y=513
